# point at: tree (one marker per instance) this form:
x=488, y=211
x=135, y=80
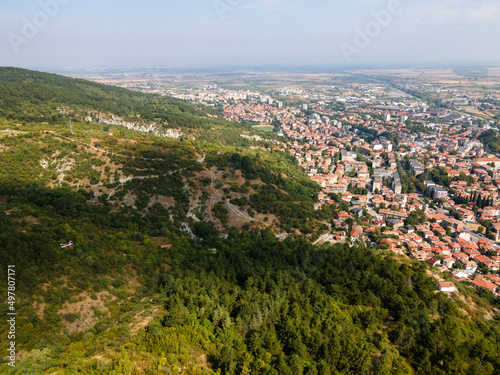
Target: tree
x=417, y=217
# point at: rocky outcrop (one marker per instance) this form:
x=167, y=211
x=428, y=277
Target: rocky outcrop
x=142, y=126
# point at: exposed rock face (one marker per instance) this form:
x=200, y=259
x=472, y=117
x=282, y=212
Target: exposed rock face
x=139, y=125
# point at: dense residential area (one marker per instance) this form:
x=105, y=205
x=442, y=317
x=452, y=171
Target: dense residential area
x=418, y=181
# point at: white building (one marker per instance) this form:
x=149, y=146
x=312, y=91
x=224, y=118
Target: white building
x=446, y=286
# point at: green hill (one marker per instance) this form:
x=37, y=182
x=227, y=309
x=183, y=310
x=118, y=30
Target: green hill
x=35, y=96
x=176, y=266
x=32, y=96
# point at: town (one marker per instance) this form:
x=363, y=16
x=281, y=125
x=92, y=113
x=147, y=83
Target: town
x=414, y=166
x=419, y=181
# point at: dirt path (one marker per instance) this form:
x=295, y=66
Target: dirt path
x=103, y=150
x=232, y=208
x=237, y=212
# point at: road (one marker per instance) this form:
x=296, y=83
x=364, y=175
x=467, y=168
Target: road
x=474, y=235
x=370, y=209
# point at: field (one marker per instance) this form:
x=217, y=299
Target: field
x=476, y=227
x=264, y=128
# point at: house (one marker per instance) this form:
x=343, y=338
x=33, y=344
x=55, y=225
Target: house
x=355, y=234
x=409, y=229
x=428, y=234
x=459, y=274
x=339, y=236
x=433, y=262
x=484, y=242
x=484, y=261
x=470, y=266
x=379, y=223
x=342, y=216
x=493, y=278
x=395, y=224
x=471, y=252
x=496, y=231
x=389, y=242
x=461, y=256
x=486, y=161
x=468, y=215
x=438, y=217
x=437, y=229
x=484, y=284
x=446, y=286
x=462, y=235
x=452, y=223
x=448, y=262
x=420, y=255
x=455, y=247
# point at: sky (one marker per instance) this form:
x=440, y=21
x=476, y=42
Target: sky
x=218, y=33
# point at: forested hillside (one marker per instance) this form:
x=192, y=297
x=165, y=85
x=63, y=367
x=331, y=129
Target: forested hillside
x=192, y=257
x=244, y=304
x=32, y=96
x=35, y=96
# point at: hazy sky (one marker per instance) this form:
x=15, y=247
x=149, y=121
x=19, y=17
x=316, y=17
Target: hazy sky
x=60, y=33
